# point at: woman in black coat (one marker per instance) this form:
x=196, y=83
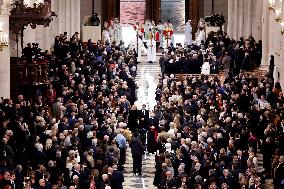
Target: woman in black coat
x=132, y=118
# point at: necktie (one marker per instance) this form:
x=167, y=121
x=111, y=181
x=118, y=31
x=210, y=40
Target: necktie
x=13, y=184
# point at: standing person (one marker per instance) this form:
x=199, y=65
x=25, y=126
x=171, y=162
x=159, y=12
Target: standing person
x=133, y=118
x=137, y=150
x=117, y=31
x=117, y=178
x=279, y=174
x=121, y=140
x=143, y=116
x=226, y=64
x=151, y=51
x=188, y=33
x=152, y=139
x=160, y=29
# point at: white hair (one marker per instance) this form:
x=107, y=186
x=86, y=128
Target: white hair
x=90, y=134
x=39, y=147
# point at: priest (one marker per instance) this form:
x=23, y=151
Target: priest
x=159, y=34
x=188, y=33
x=151, y=51
x=117, y=32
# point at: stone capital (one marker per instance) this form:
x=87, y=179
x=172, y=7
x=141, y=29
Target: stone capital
x=6, y=7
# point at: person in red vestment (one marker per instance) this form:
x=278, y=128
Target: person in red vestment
x=152, y=138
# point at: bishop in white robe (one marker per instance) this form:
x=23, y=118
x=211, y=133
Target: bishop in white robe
x=151, y=51
x=188, y=33
x=117, y=32
x=106, y=36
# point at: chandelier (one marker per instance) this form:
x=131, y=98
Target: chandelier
x=4, y=39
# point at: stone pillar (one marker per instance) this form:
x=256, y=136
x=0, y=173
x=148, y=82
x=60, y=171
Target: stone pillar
x=5, y=57
x=236, y=20
x=68, y=18
x=281, y=47
x=257, y=19
x=61, y=18
x=265, y=34
x=230, y=18
x=241, y=19
x=248, y=4
x=77, y=13
x=271, y=34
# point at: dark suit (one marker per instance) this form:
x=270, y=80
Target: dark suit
x=137, y=150
x=279, y=176
x=117, y=179
x=143, y=116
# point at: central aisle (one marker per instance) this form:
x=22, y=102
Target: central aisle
x=146, y=80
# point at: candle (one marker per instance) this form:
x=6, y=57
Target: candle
x=6, y=38
x=1, y=26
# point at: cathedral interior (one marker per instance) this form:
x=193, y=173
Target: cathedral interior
x=167, y=94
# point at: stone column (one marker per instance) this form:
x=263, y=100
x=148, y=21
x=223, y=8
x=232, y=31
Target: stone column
x=230, y=18
x=257, y=19
x=281, y=49
x=271, y=33
x=68, y=18
x=5, y=57
x=236, y=16
x=248, y=4
x=77, y=10
x=61, y=16
x=265, y=34
x=241, y=19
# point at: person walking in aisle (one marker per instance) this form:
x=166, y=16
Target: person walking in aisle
x=137, y=150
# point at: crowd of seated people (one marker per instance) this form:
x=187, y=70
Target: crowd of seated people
x=245, y=54
x=210, y=133
x=66, y=136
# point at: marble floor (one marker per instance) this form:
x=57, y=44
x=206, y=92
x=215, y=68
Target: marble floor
x=146, y=80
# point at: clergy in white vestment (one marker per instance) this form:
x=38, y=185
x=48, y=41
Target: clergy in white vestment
x=106, y=36
x=151, y=51
x=188, y=33
x=200, y=37
x=205, y=69
x=160, y=29
x=117, y=32
x=147, y=28
x=111, y=33
x=139, y=50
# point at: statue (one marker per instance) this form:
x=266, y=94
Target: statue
x=95, y=20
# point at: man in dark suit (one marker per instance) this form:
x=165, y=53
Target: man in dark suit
x=117, y=178
x=137, y=150
x=143, y=116
x=168, y=182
